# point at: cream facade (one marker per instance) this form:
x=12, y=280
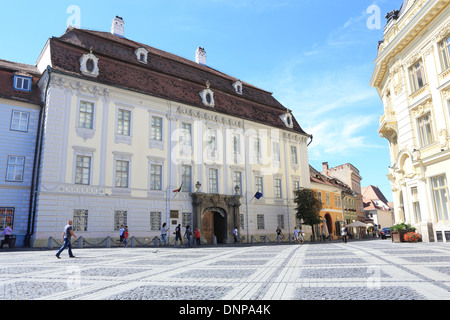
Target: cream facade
x=412, y=76
x=113, y=156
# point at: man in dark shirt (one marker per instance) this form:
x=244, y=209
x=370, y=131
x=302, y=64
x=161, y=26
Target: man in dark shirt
x=67, y=235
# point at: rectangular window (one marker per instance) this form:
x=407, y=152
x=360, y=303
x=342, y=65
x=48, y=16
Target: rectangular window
x=186, y=219
x=280, y=221
x=155, y=177
x=327, y=197
x=236, y=144
x=237, y=181
x=294, y=158
x=22, y=83
x=122, y=171
x=155, y=220
x=212, y=143
x=417, y=76
x=157, y=128
x=296, y=185
x=19, y=121
x=124, y=122
x=416, y=204
x=186, y=134
x=440, y=192
x=259, y=184
x=242, y=221
x=425, y=130
x=444, y=47
x=6, y=217
x=15, y=168
x=86, y=116
x=80, y=220
x=260, y=221
x=186, y=178
x=276, y=151
x=319, y=196
x=120, y=219
x=213, y=181
x=83, y=170
x=257, y=149
x=277, y=190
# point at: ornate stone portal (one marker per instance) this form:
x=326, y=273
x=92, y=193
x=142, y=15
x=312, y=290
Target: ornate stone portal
x=216, y=215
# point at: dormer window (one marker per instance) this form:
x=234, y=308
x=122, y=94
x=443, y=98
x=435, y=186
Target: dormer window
x=22, y=83
x=142, y=55
x=238, y=87
x=89, y=65
x=287, y=119
x=207, y=96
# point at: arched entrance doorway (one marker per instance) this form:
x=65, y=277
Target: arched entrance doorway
x=214, y=224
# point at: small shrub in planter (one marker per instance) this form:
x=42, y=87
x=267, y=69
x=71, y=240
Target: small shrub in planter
x=412, y=237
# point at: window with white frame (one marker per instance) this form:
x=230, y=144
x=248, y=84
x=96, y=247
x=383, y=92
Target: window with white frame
x=444, y=50
x=441, y=200
x=19, y=121
x=327, y=198
x=259, y=184
x=213, y=180
x=186, y=134
x=295, y=185
x=186, y=219
x=22, y=83
x=120, y=219
x=294, y=157
x=416, y=204
x=124, y=122
x=319, y=196
x=82, y=170
x=276, y=151
x=425, y=129
x=156, y=134
x=155, y=177
x=242, y=221
x=277, y=189
x=211, y=143
x=15, y=168
x=86, y=115
x=80, y=220
x=186, y=178
x=417, y=76
x=257, y=150
x=155, y=220
x=122, y=174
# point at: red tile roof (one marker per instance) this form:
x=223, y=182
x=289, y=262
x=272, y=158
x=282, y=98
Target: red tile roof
x=165, y=76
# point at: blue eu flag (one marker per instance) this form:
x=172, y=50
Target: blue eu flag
x=258, y=195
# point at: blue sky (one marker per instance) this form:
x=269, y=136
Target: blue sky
x=317, y=57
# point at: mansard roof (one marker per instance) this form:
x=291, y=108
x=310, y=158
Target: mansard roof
x=165, y=75
x=7, y=71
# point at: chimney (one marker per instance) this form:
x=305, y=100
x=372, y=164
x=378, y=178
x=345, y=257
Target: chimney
x=200, y=56
x=325, y=167
x=117, y=27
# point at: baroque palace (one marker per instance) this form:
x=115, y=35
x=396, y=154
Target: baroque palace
x=412, y=76
x=132, y=135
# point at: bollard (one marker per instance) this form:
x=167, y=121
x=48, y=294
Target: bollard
x=132, y=241
x=50, y=243
x=108, y=242
x=155, y=241
x=215, y=240
x=251, y=240
x=278, y=239
x=80, y=242
x=265, y=239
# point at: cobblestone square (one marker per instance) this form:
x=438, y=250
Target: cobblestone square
x=358, y=270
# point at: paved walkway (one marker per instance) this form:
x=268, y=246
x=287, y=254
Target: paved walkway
x=362, y=270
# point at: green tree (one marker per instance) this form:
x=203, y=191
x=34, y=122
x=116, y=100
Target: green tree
x=308, y=207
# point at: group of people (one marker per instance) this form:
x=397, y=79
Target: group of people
x=187, y=234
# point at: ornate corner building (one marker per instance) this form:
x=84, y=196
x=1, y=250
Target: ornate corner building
x=412, y=77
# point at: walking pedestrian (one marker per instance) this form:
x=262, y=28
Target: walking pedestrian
x=344, y=233
x=7, y=234
x=235, y=235
x=121, y=233
x=188, y=234
x=66, y=237
x=296, y=235
x=178, y=235
x=278, y=231
x=301, y=234
x=125, y=236
x=164, y=230
x=197, y=235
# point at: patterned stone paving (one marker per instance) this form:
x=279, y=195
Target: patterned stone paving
x=358, y=270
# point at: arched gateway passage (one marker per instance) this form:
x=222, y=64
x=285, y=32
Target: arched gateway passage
x=216, y=215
